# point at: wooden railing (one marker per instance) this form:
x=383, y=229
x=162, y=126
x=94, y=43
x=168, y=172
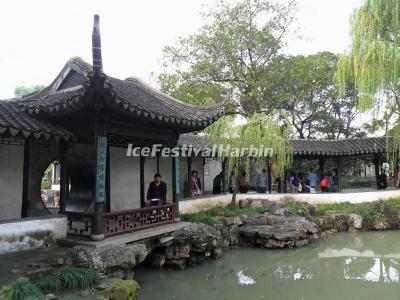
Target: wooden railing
x=136, y=219
x=123, y=221
x=79, y=223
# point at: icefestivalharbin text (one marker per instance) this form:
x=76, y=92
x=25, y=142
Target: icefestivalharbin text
x=189, y=151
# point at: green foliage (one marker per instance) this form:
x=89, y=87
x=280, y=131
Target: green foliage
x=387, y=211
x=305, y=88
x=21, y=91
x=373, y=63
x=342, y=206
x=67, y=278
x=24, y=289
x=207, y=216
x=46, y=184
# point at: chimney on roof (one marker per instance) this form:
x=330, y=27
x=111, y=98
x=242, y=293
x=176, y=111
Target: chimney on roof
x=96, y=46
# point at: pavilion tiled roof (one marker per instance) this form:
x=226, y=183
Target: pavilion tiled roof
x=131, y=95
x=15, y=121
x=340, y=147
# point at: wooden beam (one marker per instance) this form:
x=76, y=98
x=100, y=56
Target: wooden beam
x=25, y=183
x=142, y=187
x=189, y=175
x=376, y=165
x=64, y=185
x=101, y=194
x=175, y=184
x=339, y=173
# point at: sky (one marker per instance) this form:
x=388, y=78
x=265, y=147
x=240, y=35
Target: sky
x=38, y=37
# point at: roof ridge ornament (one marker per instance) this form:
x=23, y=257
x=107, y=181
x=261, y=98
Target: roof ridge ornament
x=96, y=46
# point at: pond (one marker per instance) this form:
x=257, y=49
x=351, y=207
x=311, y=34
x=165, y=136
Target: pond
x=342, y=266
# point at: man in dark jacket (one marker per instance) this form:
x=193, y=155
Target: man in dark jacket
x=157, y=192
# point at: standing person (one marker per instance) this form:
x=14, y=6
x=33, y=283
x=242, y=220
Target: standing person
x=324, y=183
x=195, y=184
x=312, y=178
x=261, y=182
x=217, y=184
x=243, y=185
x=382, y=180
x=293, y=182
x=157, y=191
x=335, y=180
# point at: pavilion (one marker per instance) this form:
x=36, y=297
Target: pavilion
x=85, y=120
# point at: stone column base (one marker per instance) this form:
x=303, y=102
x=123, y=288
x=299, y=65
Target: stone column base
x=97, y=237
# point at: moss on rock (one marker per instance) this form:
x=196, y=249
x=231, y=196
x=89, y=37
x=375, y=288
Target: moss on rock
x=122, y=290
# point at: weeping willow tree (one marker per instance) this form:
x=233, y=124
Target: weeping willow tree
x=373, y=64
x=260, y=131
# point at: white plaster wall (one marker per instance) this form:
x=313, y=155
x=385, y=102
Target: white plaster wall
x=211, y=169
x=11, y=178
x=203, y=203
x=23, y=235
x=124, y=180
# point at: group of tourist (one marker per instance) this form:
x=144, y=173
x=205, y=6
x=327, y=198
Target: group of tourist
x=299, y=183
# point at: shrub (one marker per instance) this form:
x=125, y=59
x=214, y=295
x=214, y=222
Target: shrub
x=67, y=278
x=207, y=216
x=24, y=289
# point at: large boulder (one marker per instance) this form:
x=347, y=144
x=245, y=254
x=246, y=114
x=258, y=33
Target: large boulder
x=339, y=221
x=286, y=232
x=110, y=258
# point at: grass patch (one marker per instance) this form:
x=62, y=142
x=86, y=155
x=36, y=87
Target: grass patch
x=371, y=212
x=67, y=278
x=24, y=289
x=207, y=216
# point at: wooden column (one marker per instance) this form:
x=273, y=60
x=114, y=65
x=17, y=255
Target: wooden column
x=321, y=166
x=142, y=187
x=269, y=180
x=25, y=183
x=64, y=184
x=175, y=184
x=189, y=175
x=376, y=165
x=339, y=173
x=101, y=193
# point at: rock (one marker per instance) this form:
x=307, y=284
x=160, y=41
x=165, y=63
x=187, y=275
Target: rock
x=60, y=261
x=110, y=257
x=50, y=297
x=107, y=283
x=256, y=204
x=272, y=219
x=285, y=232
x=122, y=290
x=355, y=222
x=16, y=271
x=217, y=253
x=176, y=263
x=157, y=260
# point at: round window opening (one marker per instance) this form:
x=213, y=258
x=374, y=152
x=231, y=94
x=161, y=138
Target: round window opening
x=50, y=187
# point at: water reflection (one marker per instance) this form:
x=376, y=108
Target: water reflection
x=343, y=266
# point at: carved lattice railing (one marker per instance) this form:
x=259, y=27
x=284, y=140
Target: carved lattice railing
x=136, y=219
x=124, y=221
